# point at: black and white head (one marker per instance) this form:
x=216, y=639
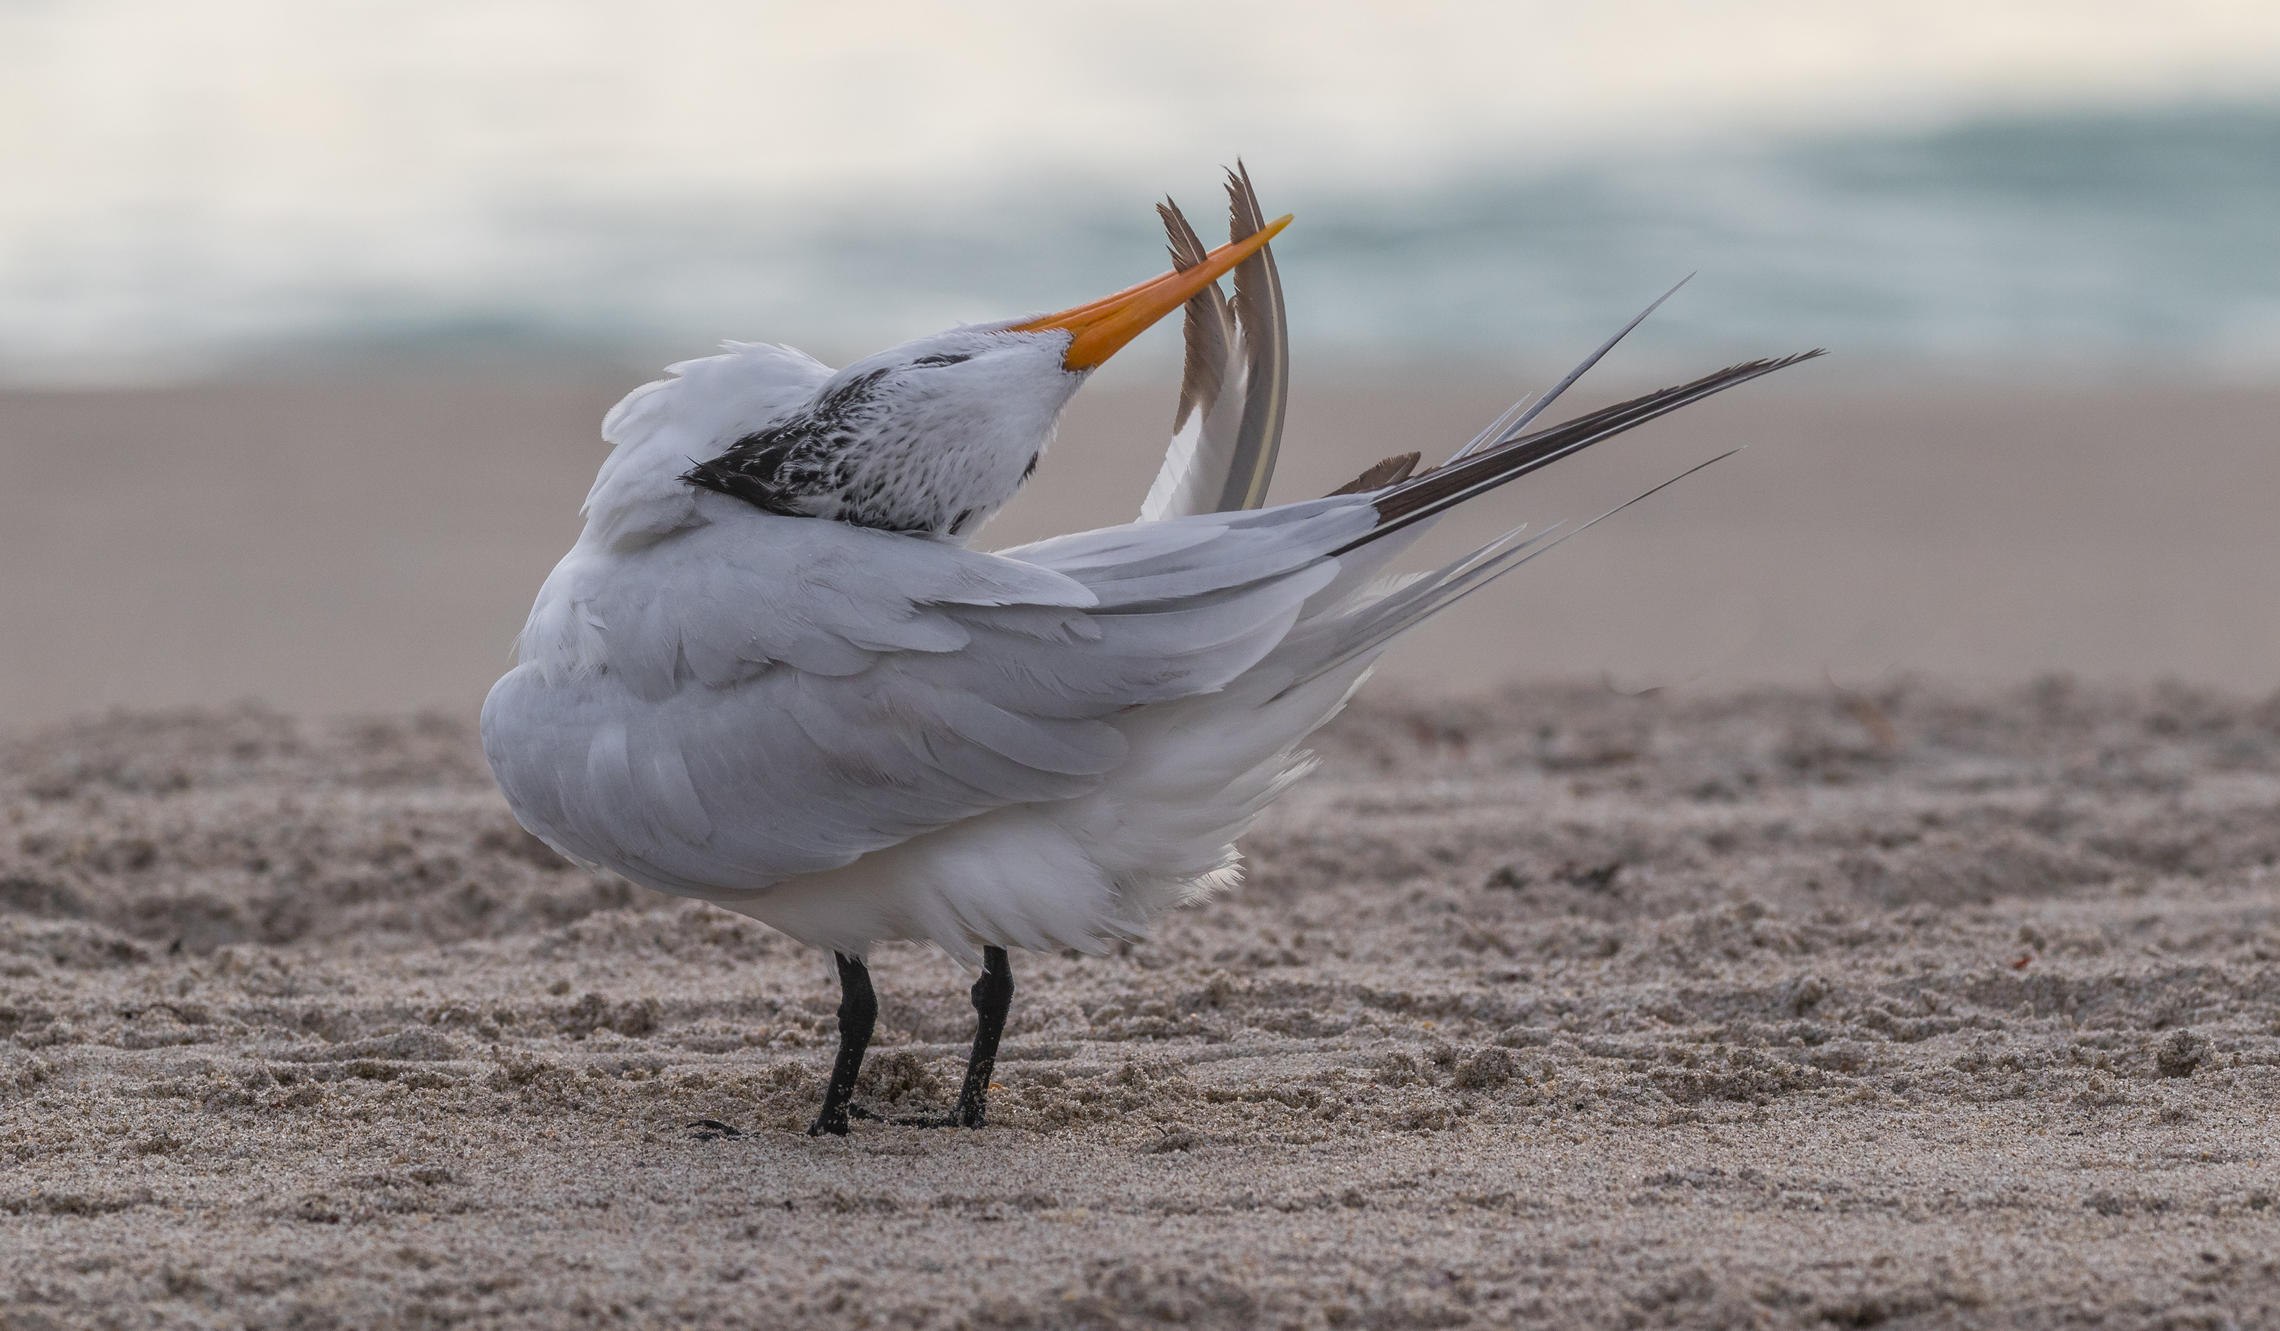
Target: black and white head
x=928, y=438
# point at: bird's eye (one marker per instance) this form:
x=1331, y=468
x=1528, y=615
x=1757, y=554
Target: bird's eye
x=940, y=360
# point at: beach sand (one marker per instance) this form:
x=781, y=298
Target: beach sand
x=1929, y=1006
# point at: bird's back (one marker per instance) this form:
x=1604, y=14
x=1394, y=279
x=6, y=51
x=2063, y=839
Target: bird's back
x=759, y=698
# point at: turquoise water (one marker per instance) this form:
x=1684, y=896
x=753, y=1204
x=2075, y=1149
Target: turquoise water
x=2144, y=238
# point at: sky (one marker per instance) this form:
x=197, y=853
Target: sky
x=269, y=106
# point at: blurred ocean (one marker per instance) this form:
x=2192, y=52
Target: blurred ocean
x=365, y=203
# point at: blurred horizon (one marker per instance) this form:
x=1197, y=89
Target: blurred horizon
x=252, y=187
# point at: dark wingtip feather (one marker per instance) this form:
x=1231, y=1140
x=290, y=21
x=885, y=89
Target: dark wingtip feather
x=1180, y=236
x=1435, y=491
x=1584, y=367
x=1205, y=328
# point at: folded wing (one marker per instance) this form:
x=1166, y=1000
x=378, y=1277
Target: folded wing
x=782, y=706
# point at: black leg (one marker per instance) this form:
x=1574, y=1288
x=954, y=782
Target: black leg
x=858, y=1013
x=993, y=995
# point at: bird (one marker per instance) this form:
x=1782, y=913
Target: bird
x=773, y=672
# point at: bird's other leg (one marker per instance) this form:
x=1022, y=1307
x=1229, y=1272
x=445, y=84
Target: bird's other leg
x=993, y=995
x=858, y=1013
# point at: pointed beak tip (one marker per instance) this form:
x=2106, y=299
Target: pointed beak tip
x=1099, y=329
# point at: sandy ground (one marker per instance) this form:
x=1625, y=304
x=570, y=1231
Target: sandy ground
x=1935, y=1007
x=370, y=545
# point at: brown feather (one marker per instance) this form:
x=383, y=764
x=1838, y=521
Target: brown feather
x=1380, y=474
x=1207, y=328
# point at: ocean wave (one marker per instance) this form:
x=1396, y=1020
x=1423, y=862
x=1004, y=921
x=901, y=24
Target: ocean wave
x=2070, y=238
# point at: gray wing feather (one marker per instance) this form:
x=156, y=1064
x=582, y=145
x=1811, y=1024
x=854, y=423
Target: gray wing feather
x=824, y=691
x=1266, y=353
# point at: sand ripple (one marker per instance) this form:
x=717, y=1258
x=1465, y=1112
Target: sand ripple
x=1783, y=1009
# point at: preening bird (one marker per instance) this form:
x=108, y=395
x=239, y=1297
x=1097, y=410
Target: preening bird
x=772, y=674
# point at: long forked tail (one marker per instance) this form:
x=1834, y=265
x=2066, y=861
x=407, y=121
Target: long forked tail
x=1523, y=411
x=1358, y=630
x=1421, y=497
x=1402, y=607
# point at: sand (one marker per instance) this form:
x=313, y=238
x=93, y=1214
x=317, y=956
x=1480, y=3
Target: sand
x=1936, y=1006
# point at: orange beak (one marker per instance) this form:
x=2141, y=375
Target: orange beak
x=1099, y=329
